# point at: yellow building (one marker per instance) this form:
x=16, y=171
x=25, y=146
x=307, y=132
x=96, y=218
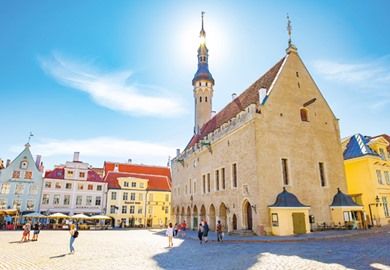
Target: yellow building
x=138, y=200
x=367, y=169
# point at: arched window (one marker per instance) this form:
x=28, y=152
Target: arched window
x=200, y=99
x=305, y=114
x=205, y=99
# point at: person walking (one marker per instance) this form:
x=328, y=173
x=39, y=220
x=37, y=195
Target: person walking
x=205, y=231
x=184, y=228
x=219, y=231
x=200, y=232
x=169, y=233
x=73, y=234
x=175, y=230
x=37, y=229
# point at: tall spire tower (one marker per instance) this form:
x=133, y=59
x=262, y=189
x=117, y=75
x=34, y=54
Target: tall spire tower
x=203, y=83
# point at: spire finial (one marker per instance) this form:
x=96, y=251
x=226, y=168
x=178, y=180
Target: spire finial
x=289, y=30
x=202, y=33
x=29, y=137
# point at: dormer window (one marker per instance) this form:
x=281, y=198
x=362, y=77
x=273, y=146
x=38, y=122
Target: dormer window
x=382, y=153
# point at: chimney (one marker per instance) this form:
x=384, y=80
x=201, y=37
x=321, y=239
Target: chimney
x=38, y=161
x=234, y=95
x=76, y=156
x=116, y=168
x=41, y=167
x=177, y=152
x=129, y=161
x=8, y=163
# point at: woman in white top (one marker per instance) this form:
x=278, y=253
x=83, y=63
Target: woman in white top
x=72, y=238
x=170, y=235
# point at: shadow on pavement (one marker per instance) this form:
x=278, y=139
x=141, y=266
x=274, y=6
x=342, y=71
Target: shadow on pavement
x=58, y=256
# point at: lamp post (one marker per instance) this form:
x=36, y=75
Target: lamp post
x=369, y=206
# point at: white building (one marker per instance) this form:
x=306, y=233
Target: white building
x=73, y=188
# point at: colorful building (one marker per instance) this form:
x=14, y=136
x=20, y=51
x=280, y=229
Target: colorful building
x=279, y=134
x=367, y=169
x=138, y=200
x=73, y=188
x=21, y=183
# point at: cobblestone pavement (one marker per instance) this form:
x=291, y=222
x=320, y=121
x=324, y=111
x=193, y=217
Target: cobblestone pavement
x=147, y=249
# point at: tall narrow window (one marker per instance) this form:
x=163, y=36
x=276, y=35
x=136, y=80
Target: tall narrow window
x=208, y=183
x=387, y=177
x=223, y=178
x=304, y=115
x=234, y=174
x=205, y=99
x=379, y=176
x=385, y=206
x=217, y=180
x=285, y=176
x=382, y=153
x=204, y=183
x=322, y=174
x=200, y=99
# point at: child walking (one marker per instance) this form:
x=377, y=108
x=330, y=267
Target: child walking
x=170, y=235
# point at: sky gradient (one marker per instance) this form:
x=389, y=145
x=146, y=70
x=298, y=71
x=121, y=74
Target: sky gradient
x=112, y=80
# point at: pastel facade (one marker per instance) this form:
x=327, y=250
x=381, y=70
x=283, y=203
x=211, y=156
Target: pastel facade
x=147, y=188
x=21, y=183
x=367, y=169
x=138, y=200
x=73, y=188
x=279, y=133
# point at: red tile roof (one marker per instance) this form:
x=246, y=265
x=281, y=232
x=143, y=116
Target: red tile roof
x=156, y=182
x=59, y=173
x=249, y=96
x=136, y=168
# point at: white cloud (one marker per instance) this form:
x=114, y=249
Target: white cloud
x=372, y=74
x=97, y=150
x=112, y=90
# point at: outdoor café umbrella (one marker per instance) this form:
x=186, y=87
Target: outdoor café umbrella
x=100, y=217
x=34, y=215
x=80, y=216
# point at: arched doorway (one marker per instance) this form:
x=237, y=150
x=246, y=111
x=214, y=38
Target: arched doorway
x=188, y=217
x=223, y=216
x=234, y=222
x=203, y=213
x=247, y=215
x=212, y=217
x=195, y=222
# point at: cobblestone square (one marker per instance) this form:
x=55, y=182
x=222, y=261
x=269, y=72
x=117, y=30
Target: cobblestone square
x=147, y=249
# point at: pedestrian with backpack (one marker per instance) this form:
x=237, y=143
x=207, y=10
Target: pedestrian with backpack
x=74, y=233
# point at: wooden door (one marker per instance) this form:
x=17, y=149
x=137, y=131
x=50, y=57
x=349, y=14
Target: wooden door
x=299, y=223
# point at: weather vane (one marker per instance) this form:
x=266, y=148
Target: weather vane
x=289, y=30
x=29, y=137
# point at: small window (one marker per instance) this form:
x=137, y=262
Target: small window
x=208, y=183
x=126, y=184
x=234, y=174
x=379, y=177
x=68, y=185
x=133, y=184
x=304, y=115
x=285, y=175
x=205, y=99
x=245, y=189
x=16, y=174
x=200, y=99
x=82, y=174
x=70, y=174
x=322, y=174
x=24, y=164
x=90, y=187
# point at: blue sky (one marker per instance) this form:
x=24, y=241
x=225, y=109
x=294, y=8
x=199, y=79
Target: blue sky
x=112, y=79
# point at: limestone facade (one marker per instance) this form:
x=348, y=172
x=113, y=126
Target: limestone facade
x=280, y=132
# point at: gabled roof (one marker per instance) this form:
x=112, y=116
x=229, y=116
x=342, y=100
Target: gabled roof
x=341, y=199
x=357, y=147
x=287, y=199
x=156, y=182
x=136, y=168
x=249, y=96
x=387, y=138
x=59, y=173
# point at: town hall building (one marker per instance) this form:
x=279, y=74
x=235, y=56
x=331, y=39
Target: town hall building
x=270, y=158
